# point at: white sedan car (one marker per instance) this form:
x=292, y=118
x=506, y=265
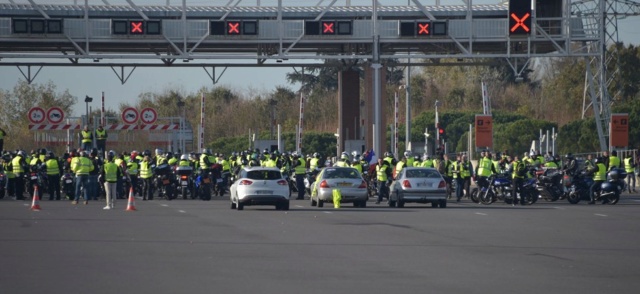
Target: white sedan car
x=260, y=186
x=347, y=179
x=420, y=185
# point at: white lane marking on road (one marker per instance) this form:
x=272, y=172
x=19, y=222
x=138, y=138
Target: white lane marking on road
x=600, y=214
x=480, y=213
x=182, y=211
x=561, y=208
x=299, y=206
x=164, y=205
x=328, y=212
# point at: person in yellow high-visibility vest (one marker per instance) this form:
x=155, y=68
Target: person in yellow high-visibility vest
x=86, y=136
x=101, y=140
x=629, y=167
x=300, y=170
x=54, y=170
x=599, y=176
x=110, y=174
x=383, y=175
x=82, y=167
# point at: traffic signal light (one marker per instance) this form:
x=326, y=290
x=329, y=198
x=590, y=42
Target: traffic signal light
x=136, y=27
x=233, y=28
x=519, y=17
x=441, y=133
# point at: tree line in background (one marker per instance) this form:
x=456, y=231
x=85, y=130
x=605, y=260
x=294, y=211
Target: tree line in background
x=551, y=95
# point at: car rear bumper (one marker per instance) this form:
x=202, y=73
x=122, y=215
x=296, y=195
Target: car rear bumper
x=422, y=197
x=347, y=195
x=263, y=199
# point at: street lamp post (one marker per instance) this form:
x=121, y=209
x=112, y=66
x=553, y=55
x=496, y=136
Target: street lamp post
x=180, y=105
x=87, y=100
x=426, y=142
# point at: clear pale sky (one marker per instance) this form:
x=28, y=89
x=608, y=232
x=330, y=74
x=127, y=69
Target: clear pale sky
x=92, y=81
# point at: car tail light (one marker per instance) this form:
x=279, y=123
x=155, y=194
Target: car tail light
x=282, y=182
x=245, y=182
x=324, y=184
x=363, y=185
x=442, y=184
x=406, y=184
x=184, y=178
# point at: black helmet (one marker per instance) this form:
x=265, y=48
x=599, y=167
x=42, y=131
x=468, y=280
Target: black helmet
x=169, y=155
x=598, y=160
x=50, y=154
x=94, y=152
x=43, y=151
x=110, y=156
x=147, y=152
x=569, y=156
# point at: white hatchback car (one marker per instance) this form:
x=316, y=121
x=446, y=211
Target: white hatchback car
x=260, y=186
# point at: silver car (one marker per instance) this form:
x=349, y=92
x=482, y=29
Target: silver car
x=352, y=187
x=420, y=185
x=260, y=186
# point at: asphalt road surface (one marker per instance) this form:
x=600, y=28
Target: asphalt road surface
x=190, y=246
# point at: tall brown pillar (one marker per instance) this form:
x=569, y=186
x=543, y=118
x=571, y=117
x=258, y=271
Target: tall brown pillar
x=369, y=106
x=348, y=106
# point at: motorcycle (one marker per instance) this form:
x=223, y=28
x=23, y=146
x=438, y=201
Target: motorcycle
x=36, y=179
x=67, y=183
x=529, y=192
x=578, y=187
x=550, y=184
x=3, y=184
x=165, y=182
x=499, y=189
x=185, y=182
x=203, y=185
x=611, y=189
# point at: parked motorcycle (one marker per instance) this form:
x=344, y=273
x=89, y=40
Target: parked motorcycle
x=36, y=179
x=550, y=184
x=164, y=181
x=611, y=189
x=185, y=181
x=578, y=187
x=203, y=185
x=67, y=182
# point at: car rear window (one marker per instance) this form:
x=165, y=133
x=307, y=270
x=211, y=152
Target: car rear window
x=422, y=173
x=263, y=175
x=341, y=173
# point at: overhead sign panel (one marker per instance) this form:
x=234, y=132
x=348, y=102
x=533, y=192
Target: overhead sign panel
x=328, y=27
x=519, y=17
x=136, y=27
x=233, y=28
x=422, y=28
x=36, y=26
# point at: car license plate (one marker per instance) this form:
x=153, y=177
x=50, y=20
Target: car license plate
x=165, y=182
x=68, y=181
x=184, y=183
x=206, y=181
x=423, y=184
x=34, y=177
x=264, y=192
x=218, y=180
x=344, y=184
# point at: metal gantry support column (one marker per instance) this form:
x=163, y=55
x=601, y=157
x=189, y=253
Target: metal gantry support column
x=376, y=83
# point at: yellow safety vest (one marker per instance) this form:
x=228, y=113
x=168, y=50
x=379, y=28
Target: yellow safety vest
x=101, y=135
x=313, y=163
x=484, y=169
x=86, y=137
x=464, y=171
x=551, y=164
x=517, y=165
x=453, y=167
x=203, y=164
x=301, y=169
x=17, y=168
x=132, y=167
x=111, y=172
x=52, y=167
x=399, y=166
x=627, y=165
x=269, y=163
x=381, y=172
x=226, y=166
x=9, y=173
x=614, y=161
x=427, y=163
x=357, y=166
x=184, y=163
x=145, y=170
x=601, y=175
x=341, y=163
x=410, y=161
x=82, y=166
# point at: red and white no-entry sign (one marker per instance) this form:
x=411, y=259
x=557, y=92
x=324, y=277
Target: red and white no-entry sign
x=130, y=115
x=148, y=116
x=36, y=115
x=55, y=115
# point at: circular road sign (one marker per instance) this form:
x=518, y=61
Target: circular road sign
x=36, y=115
x=55, y=115
x=130, y=115
x=148, y=116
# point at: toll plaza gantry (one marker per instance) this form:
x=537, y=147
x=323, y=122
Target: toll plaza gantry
x=372, y=34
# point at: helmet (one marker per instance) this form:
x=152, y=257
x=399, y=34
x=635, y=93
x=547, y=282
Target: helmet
x=387, y=154
x=43, y=151
x=344, y=156
x=357, y=158
x=569, y=156
x=134, y=153
x=22, y=153
x=110, y=156
x=275, y=152
x=416, y=157
x=111, y=152
x=184, y=157
x=84, y=154
x=316, y=155
x=204, y=150
x=146, y=152
x=159, y=151
x=598, y=160
x=94, y=152
x=295, y=154
x=532, y=154
x=50, y=154
x=209, y=152
x=407, y=153
x=169, y=155
x=265, y=151
x=273, y=156
x=355, y=153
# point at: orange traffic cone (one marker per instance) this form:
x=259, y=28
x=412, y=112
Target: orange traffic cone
x=131, y=204
x=35, y=205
